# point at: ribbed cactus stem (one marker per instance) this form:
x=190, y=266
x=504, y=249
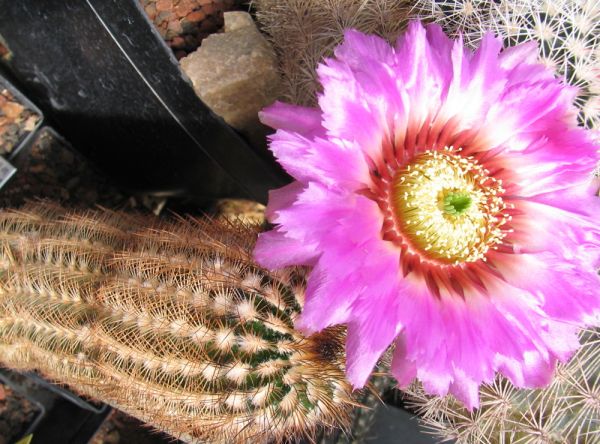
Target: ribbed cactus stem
x=170, y=321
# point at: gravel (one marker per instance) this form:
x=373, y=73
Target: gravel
x=16, y=121
x=16, y=413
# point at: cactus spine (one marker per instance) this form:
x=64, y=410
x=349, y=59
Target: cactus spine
x=304, y=31
x=567, y=411
x=171, y=322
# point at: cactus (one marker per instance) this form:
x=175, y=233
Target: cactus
x=567, y=33
x=304, y=31
x=170, y=321
x=567, y=411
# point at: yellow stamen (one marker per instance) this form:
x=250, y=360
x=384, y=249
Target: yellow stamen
x=448, y=206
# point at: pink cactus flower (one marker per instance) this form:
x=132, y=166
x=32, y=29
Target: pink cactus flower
x=445, y=202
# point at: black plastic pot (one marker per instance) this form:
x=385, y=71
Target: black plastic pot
x=64, y=417
x=106, y=80
x=19, y=389
x=48, y=167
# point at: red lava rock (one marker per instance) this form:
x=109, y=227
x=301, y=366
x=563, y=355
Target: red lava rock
x=177, y=42
x=210, y=8
x=190, y=40
x=182, y=9
x=151, y=11
x=175, y=27
x=209, y=26
x=16, y=413
x=164, y=5
x=50, y=168
x=163, y=15
x=196, y=16
x=162, y=31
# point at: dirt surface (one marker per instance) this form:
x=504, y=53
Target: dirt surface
x=50, y=168
x=120, y=428
x=16, y=414
x=184, y=23
x=16, y=121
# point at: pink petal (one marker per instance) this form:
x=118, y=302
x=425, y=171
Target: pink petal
x=335, y=283
x=275, y=250
x=403, y=369
x=306, y=121
x=358, y=48
x=282, y=198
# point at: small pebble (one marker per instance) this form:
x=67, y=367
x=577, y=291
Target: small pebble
x=196, y=16
x=164, y=5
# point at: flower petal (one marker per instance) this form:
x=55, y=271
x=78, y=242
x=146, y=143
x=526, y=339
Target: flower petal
x=275, y=250
x=302, y=120
x=454, y=324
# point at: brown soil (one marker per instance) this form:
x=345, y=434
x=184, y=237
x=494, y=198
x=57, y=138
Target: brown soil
x=16, y=121
x=120, y=428
x=16, y=414
x=52, y=169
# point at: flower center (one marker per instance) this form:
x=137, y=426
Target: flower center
x=448, y=206
x=457, y=203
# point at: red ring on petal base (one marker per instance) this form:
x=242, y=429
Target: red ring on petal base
x=444, y=244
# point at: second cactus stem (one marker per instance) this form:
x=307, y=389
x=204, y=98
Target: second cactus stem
x=170, y=321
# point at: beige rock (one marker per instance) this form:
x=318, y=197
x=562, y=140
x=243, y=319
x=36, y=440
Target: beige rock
x=235, y=74
x=237, y=20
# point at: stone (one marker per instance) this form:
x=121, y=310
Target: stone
x=151, y=11
x=175, y=27
x=195, y=16
x=163, y=16
x=182, y=9
x=12, y=110
x=164, y=5
x=177, y=42
x=235, y=74
x=237, y=20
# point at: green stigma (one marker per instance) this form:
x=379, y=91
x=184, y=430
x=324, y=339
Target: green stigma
x=456, y=203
